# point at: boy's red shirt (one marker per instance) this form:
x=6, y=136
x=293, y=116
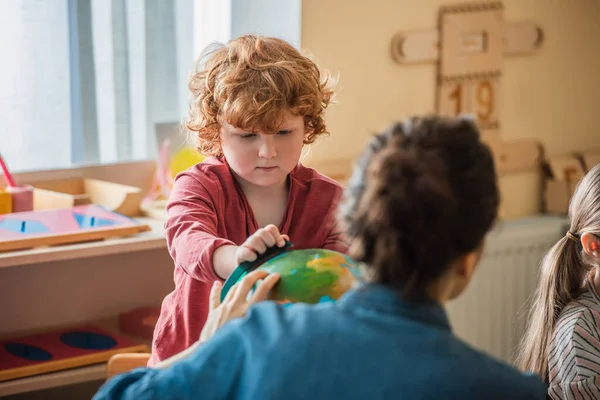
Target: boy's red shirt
x=207, y=209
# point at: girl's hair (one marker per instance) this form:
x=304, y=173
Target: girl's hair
x=562, y=276
x=423, y=193
x=252, y=83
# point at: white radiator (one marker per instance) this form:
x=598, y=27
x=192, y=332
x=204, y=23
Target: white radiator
x=490, y=315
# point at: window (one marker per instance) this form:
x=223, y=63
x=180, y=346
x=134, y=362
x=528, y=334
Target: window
x=86, y=81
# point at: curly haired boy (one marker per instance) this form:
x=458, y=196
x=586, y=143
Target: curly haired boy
x=256, y=102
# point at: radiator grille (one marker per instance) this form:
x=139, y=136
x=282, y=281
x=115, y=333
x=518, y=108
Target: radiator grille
x=490, y=315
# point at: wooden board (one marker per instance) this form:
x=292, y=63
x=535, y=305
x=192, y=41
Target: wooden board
x=471, y=43
x=61, y=349
x=470, y=78
x=479, y=97
x=517, y=156
x=565, y=169
x=469, y=46
x=119, y=198
x=417, y=47
x=471, y=63
x=61, y=226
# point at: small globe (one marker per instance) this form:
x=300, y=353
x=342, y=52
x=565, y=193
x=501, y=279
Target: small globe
x=310, y=276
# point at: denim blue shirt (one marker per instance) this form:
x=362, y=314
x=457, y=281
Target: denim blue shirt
x=371, y=344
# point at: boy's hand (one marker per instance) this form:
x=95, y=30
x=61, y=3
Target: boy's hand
x=258, y=243
x=236, y=301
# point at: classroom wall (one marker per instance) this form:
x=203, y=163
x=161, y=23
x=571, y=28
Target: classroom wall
x=551, y=96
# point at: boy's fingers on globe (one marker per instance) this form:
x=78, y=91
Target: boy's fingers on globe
x=282, y=240
x=257, y=242
x=272, y=228
x=270, y=236
x=246, y=254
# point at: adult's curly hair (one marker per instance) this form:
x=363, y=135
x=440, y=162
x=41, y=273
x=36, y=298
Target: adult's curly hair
x=423, y=193
x=252, y=82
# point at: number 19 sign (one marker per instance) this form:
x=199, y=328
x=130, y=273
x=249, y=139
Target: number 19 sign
x=469, y=46
x=471, y=53
x=476, y=97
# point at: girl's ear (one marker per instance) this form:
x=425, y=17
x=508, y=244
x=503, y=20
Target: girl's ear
x=591, y=245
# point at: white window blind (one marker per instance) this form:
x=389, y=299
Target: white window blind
x=86, y=81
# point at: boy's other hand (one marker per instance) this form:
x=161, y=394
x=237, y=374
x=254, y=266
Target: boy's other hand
x=259, y=242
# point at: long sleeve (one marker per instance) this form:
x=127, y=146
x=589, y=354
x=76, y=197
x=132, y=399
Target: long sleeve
x=335, y=240
x=210, y=372
x=574, y=358
x=191, y=227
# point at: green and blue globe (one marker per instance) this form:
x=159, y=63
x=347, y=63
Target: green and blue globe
x=311, y=275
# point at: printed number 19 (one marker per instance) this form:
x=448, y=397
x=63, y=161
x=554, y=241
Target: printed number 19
x=484, y=99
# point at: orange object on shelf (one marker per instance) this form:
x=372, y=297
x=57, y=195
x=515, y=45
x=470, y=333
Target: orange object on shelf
x=5, y=202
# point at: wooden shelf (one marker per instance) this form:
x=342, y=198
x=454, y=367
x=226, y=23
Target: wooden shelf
x=153, y=239
x=88, y=373
x=73, y=376
x=139, y=174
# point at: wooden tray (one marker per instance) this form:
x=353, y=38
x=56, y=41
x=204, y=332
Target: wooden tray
x=61, y=349
x=61, y=226
x=119, y=198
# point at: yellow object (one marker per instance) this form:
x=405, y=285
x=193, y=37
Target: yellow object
x=184, y=159
x=5, y=202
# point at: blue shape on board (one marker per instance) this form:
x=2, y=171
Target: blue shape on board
x=27, y=351
x=88, y=340
x=89, y=221
x=22, y=226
